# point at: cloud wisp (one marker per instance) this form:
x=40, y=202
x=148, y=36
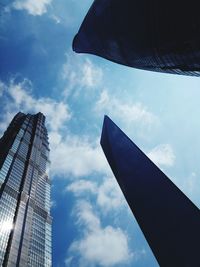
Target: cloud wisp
x=162, y=155
x=104, y=246
x=130, y=113
x=33, y=7
x=108, y=194
x=80, y=73
x=76, y=156
x=22, y=99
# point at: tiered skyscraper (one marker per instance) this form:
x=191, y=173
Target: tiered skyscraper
x=25, y=221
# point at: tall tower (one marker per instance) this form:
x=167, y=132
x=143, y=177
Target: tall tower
x=168, y=219
x=25, y=221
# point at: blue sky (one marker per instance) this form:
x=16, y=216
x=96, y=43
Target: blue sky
x=92, y=223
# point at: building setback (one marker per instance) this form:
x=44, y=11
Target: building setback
x=153, y=35
x=169, y=221
x=25, y=221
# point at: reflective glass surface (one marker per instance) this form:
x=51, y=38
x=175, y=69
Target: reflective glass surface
x=153, y=35
x=25, y=221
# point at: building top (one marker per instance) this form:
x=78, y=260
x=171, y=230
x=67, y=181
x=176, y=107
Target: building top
x=154, y=35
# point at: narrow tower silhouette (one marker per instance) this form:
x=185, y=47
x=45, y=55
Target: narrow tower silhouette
x=169, y=221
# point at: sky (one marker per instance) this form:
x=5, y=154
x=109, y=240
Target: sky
x=92, y=223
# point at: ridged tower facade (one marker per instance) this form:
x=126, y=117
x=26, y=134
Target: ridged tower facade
x=25, y=221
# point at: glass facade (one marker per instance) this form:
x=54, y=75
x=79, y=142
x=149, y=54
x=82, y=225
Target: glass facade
x=160, y=36
x=25, y=221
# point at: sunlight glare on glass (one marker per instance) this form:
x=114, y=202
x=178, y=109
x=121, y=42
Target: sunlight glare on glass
x=6, y=226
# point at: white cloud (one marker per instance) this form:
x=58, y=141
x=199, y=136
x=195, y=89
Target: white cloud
x=96, y=247
x=79, y=72
x=108, y=194
x=57, y=113
x=33, y=7
x=76, y=156
x=55, y=138
x=127, y=112
x=91, y=74
x=85, y=216
x=105, y=246
x=82, y=186
x=162, y=155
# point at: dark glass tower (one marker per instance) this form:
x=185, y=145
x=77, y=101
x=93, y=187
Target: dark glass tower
x=154, y=35
x=169, y=220
x=25, y=221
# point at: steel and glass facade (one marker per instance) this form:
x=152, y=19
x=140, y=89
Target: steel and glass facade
x=25, y=221
x=162, y=36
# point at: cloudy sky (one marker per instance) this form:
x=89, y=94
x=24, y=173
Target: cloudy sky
x=92, y=223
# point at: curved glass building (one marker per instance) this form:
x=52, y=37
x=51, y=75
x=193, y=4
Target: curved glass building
x=25, y=221
x=154, y=35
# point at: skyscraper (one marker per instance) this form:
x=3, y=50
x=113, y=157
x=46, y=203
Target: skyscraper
x=154, y=35
x=169, y=220
x=25, y=221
